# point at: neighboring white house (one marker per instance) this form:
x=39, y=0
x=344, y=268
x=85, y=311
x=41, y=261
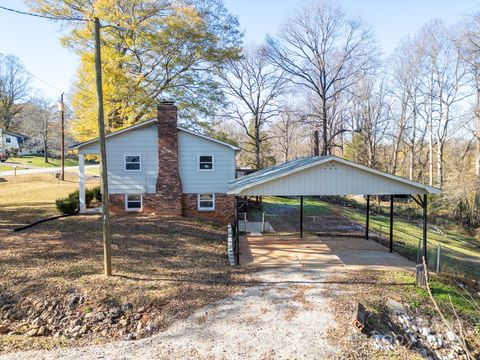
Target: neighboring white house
x=158, y=167
x=12, y=142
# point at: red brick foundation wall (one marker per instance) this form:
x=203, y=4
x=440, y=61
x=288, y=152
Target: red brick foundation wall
x=117, y=204
x=223, y=213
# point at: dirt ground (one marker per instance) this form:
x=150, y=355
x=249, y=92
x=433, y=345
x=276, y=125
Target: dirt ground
x=168, y=268
x=285, y=313
x=283, y=316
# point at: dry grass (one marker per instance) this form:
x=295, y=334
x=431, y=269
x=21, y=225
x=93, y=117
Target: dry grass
x=169, y=265
x=25, y=198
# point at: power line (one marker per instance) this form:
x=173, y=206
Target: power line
x=44, y=16
x=32, y=74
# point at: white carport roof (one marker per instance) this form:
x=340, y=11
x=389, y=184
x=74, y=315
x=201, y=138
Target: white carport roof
x=324, y=175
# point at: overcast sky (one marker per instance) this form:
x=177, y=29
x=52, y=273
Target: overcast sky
x=36, y=41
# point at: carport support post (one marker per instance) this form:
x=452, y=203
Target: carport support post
x=425, y=228
x=391, y=223
x=301, y=216
x=368, y=217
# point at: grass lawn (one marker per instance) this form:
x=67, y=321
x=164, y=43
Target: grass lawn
x=169, y=266
x=410, y=231
x=310, y=206
x=25, y=198
x=39, y=161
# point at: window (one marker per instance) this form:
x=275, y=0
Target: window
x=133, y=163
x=8, y=140
x=205, y=162
x=206, y=201
x=133, y=202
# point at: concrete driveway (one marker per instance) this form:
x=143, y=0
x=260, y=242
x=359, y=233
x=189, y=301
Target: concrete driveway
x=319, y=252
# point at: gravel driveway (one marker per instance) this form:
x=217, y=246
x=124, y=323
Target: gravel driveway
x=282, y=316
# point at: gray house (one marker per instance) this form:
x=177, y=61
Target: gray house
x=158, y=167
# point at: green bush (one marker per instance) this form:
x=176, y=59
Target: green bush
x=97, y=195
x=67, y=205
x=71, y=203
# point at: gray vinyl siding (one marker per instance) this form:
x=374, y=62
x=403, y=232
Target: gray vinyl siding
x=142, y=141
x=194, y=181
x=332, y=178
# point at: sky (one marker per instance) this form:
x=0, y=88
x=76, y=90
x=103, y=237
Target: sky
x=36, y=41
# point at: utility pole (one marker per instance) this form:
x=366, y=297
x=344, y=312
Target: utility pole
x=61, y=106
x=103, y=154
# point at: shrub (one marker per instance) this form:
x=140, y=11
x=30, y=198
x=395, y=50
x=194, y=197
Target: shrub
x=95, y=192
x=71, y=203
x=67, y=205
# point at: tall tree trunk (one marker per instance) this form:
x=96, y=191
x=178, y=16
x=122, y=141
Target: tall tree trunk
x=440, y=146
x=257, y=145
x=326, y=145
x=430, y=160
x=477, y=158
x=410, y=165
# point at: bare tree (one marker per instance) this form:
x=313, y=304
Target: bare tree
x=14, y=86
x=39, y=119
x=254, y=88
x=286, y=132
x=408, y=79
x=369, y=116
x=447, y=79
x=325, y=52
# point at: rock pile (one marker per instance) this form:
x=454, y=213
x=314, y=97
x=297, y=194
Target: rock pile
x=430, y=338
x=74, y=317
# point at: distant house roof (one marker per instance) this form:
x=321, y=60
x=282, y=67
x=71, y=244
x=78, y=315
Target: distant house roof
x=16, y=134
x=146, y=123
x=324, y=175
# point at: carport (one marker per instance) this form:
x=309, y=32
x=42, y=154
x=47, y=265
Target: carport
x=329, y=175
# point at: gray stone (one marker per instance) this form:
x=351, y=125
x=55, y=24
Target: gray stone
x=74, y=302
x=426, y=331
x=127, y=306
x=396, y=306
x=4, y=329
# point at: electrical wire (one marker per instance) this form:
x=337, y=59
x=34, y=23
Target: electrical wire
x=29, y=72
x=43, y=16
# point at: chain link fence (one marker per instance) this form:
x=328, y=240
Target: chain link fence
x=441, y=259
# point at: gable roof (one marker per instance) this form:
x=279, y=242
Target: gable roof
x=243, y=183
x=147, y=123
x=17, y=135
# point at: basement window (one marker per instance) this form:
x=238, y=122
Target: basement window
x=133, y=202
x=206, y=202
x=205, y=162
x=133, y=163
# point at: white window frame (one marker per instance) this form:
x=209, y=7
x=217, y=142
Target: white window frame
x=8, y=140
x=125, y=163
x=198, y=163
x=133, y=209
x=199, y=208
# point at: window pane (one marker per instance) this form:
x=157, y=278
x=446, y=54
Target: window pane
x=205, y=158
x=132, y=159
x=132, y=166
x=134, y=205
x=206, y=197
x=206, y=166
x=206, y=204
x=134, y=197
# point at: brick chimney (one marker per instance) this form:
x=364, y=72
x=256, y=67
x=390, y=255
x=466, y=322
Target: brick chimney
x=169, y=185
